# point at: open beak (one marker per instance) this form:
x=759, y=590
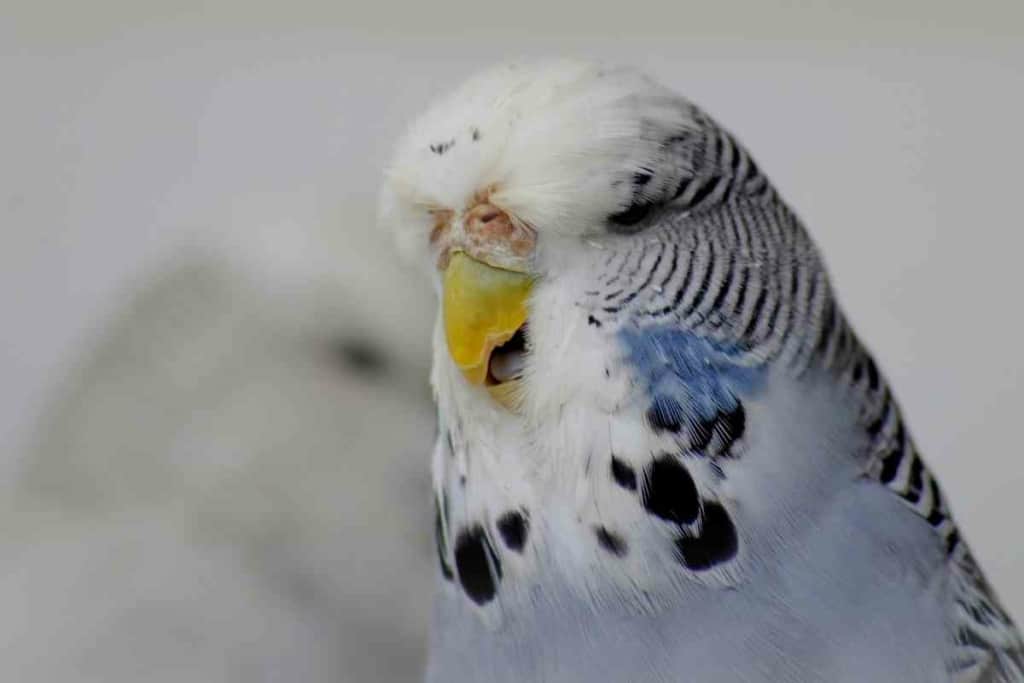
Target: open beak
x=484, y=308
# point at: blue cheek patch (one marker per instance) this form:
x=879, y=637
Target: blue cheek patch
x=688, y=377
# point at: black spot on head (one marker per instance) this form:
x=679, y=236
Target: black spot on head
x=513, y=526
x=440, y=148
x=669, y=491
x=611, y=541
x=360, y=356
x=474, y=560
x=717, y=542
x=623, y=474
x=665, y=415
x=439, y=542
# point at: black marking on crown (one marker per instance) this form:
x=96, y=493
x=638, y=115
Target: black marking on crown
x=611, y=541
x=665, y=415
x=717, y=542
x=624, y=474
x=474, y=560
x=669, y=491
x=439, y=542
x=514, y=526
x=440, y=148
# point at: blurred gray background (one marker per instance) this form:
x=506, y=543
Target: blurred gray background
x=214, y=419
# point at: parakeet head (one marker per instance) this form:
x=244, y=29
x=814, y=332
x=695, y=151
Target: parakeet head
x=534, y=195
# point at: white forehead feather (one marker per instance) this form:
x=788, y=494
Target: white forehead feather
x=558, y=143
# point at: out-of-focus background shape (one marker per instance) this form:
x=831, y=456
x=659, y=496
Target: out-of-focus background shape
x=214, y=418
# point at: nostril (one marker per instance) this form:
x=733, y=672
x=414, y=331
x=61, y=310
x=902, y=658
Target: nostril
x=488, y=220
x=489, y=214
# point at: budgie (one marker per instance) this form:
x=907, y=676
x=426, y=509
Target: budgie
x=663, y=454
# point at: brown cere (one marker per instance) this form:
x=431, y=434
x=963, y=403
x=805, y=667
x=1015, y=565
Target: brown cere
x=486, y=220
x=485, y=224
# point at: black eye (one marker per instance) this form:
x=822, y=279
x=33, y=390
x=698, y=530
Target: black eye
x=641, y=178
x=640, y=208
x=632, y=215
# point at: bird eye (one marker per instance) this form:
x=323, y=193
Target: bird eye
x=632, y=215
x=641, y=206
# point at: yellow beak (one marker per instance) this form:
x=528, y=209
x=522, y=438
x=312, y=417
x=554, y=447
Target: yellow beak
x=483, y=308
